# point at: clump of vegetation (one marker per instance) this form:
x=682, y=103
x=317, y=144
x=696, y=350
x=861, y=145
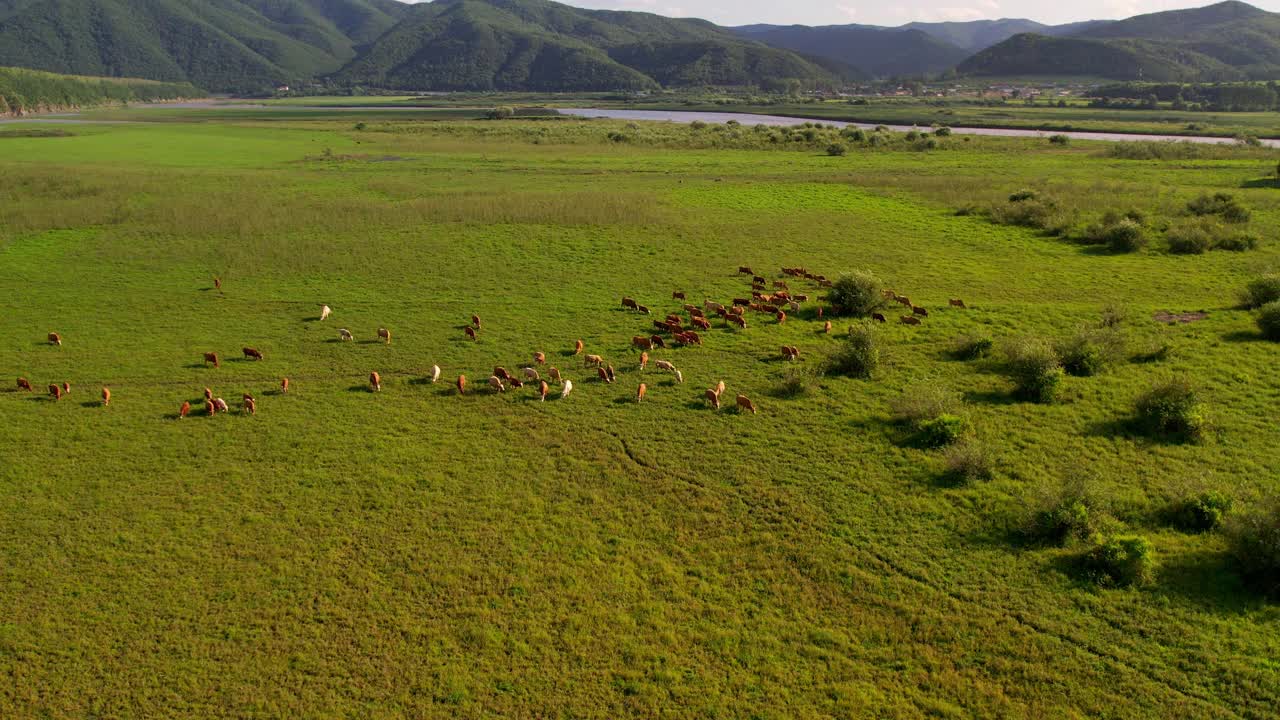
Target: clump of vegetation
x=796, y=382
x=859, y=355
x=501, y=113
x=1125, y=236
x=858, y=294
x=972, y=347
x=1029, y=208
x=943, y=131
x=1120, y=561
x=1058, y=514
x=837, y=149
x=920, y=403
x=1198, y=235
x=1200, y=512
x=1269, y=320
x=1222, y=205
x=853, y=134
x=1171, y=409
x=1060, y=139
x=1253, y=541
x=1263, y=290
x=1090, y=350
x=1113, y=316
x=941, y=431
x=1035, y=369
x=967, y=461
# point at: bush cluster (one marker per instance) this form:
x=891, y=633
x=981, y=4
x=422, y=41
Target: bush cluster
x=931, y=411
x=1066, y=512
x=941, y=431
x=1171, y=409
x=859, y=294
x=859, y=356
x=1222, y=205
x=967, y=461
x=1090, y=351
x=972, y=347
x=1035, y=369
x=1201, y=512
x=1198, y=235
x=1029, y=208
x=1269, y=320
x=1120, y=561
x=1253, y=540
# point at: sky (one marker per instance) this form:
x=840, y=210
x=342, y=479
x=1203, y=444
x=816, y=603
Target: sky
x=879, y=12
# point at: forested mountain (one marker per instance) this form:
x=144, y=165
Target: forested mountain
x=1226, y=41
x=541, y=45
x=881, y=52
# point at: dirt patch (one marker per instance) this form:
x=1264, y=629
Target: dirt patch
x=1170, y=318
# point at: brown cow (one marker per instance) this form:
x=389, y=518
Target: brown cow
x=501, y=372
x=642, y=342
x=826, y=327
x=554, y=374
x=593, y=360
x=757, y=280
x=496, y=383
x=208, y=394
x=284, y=386
x=780, y=284
x=741, y=301
x=55, y=392
x=471, y=333
x=644, y=310
x=877, y=317
x=385, y=334
x=182, y=411
x=217, y=283
x=106, y=396
x=720, y=388
x=712, y=397
x=249, y=405
x=819, y=311
x=677, y=295
x=55, y=339
x=904, y=301
x=543, y=388
x=658, y=342
x=629, y=303
x=375, y=381
x=531, y=374
x=640, y=391
x=604, y=376
x=957, y=303
x=910, y=320
x=462, y=384
x=24, y=384
x=516, y=382
x=66, y=388
x=746, y=404
x=919, y=311
x=540, y=358
x=702, y=323
x=212, y=357
x=577, y=348
x=609, y=372
x=800, y=298
x=738, y=320
x=252, y=353
x=781, y=317
x=210, y=408
x=475, y=320
x=746, y=270
x=644, y=360
x=665, y=365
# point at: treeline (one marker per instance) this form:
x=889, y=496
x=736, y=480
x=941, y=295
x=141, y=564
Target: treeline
x=28, y=91
x=1216, y=97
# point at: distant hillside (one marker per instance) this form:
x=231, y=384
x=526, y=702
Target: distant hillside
x=1226, y=41
x=879, y=51
x=547, y=46
x=221, y=45
x=977, y=34
x=25, y=91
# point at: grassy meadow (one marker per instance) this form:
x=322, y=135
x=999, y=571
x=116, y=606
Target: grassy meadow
x=414, y=553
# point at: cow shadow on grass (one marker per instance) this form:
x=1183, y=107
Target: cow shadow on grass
x=1207, y=579
x=362, y=387
x=369, y=342
x=91, y=403
x=1244, y=336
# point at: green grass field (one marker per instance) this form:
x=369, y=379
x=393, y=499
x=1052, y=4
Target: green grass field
x=413, y=553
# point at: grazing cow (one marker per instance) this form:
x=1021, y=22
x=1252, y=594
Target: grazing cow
x=325, y=312
x=800, y=298
x=568, y=388
x=781, y=317
x=462, y=384
x=746, y=404
x=644, y=360
x=211, y=357
x=795, y=352
x=543, y=387
x=787, y=353
x=221, y=405
x=496, y=383
x=819, y=311
x=106, y=397
x=554, y=374
x=910, y=320
x=284, y=386
x=208, y=395
x=217, y=283
x=253, y=354
x=471, y=332
x=957, y=303
x=184, y=410
x=677, y=295
x=250, y=405
x=344, y=335
x=577, y=348
x=712, y=397
x=793, y=306
x=674, y=319
x=738, y=320
x=662, y=325
x=877, y=317
x=609, y=372
x=746, y=270
x=741, y=301
x=604, y=376
x=757, y=280
x=904, y=301
x=665, y=365
x=515, y=383
x=24, y=384
x=825, y=283
x=475, y=321
x=210, y=408
x=435, y=373
x=644, y=310
x=375, y=382
x=713, y=306
x=595, y=360
x=629, y=303
x=694, y=337
x=385, y=334
x=826, y=327
x=919, y=311
x=531, y=374
x=640, y=391
x=501, y=372
x=66, y=388
x=55, y=339
x=780, y=284
x=679, y=377
x=720, y=388
x=658, y=342
x=702, y=323
x=55, y=392
x=888, y=294
x=642, y=342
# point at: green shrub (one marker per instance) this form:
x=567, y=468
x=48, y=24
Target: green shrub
x=796, y=381
x=1027, y=208
x=1034, y=368
x=1125, y=236
x=1024, y=195
x=1171, y=409
x=966, y=461
x=942, y=430
x=1263, y=290
x=912, y=135
x=697, y=125
x=943, y=131
x=1200, y=512
x=1237, y=241
x=1060, y=139
x=1120, y=561
x=853, y=134
x=1269, y=320
x=837, y=149
x=1253, y=542
x=859, y=356
x=859, y=294
x=1113, y=316
x=1090, y=351
x=360, y=126
x=972, y=347
x=1057, y=514
x=923, y=402
x=1192, y=237
x=1223, y=205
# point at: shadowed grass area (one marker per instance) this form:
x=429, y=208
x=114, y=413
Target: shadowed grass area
x=414, y=552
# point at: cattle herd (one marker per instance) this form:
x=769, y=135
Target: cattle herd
x=770, y=299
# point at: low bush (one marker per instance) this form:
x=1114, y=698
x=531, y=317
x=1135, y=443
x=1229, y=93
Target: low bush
x=923, y=402
x=1237, y=241
x=858, y=294
x=1253, y=542
x=1125, y=236
x=1193, y=237
x=943, y=131
x=1263, y=290
x=1090, y=351
x=1027, y=208
x=1120, y=561
x=859, y=356
x=1057, y=514
x=940, y=431
x=1060, y=139
x=837, y=149
x=1171, y=409
x=1024, y=195
x=966, y=461
x=972, y=347
x=1113, y=316
x=1269, y=320
x=796, y=381
x=853, y=134
x=1223, y=205
x=1200, y=512
x=1034, y=368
